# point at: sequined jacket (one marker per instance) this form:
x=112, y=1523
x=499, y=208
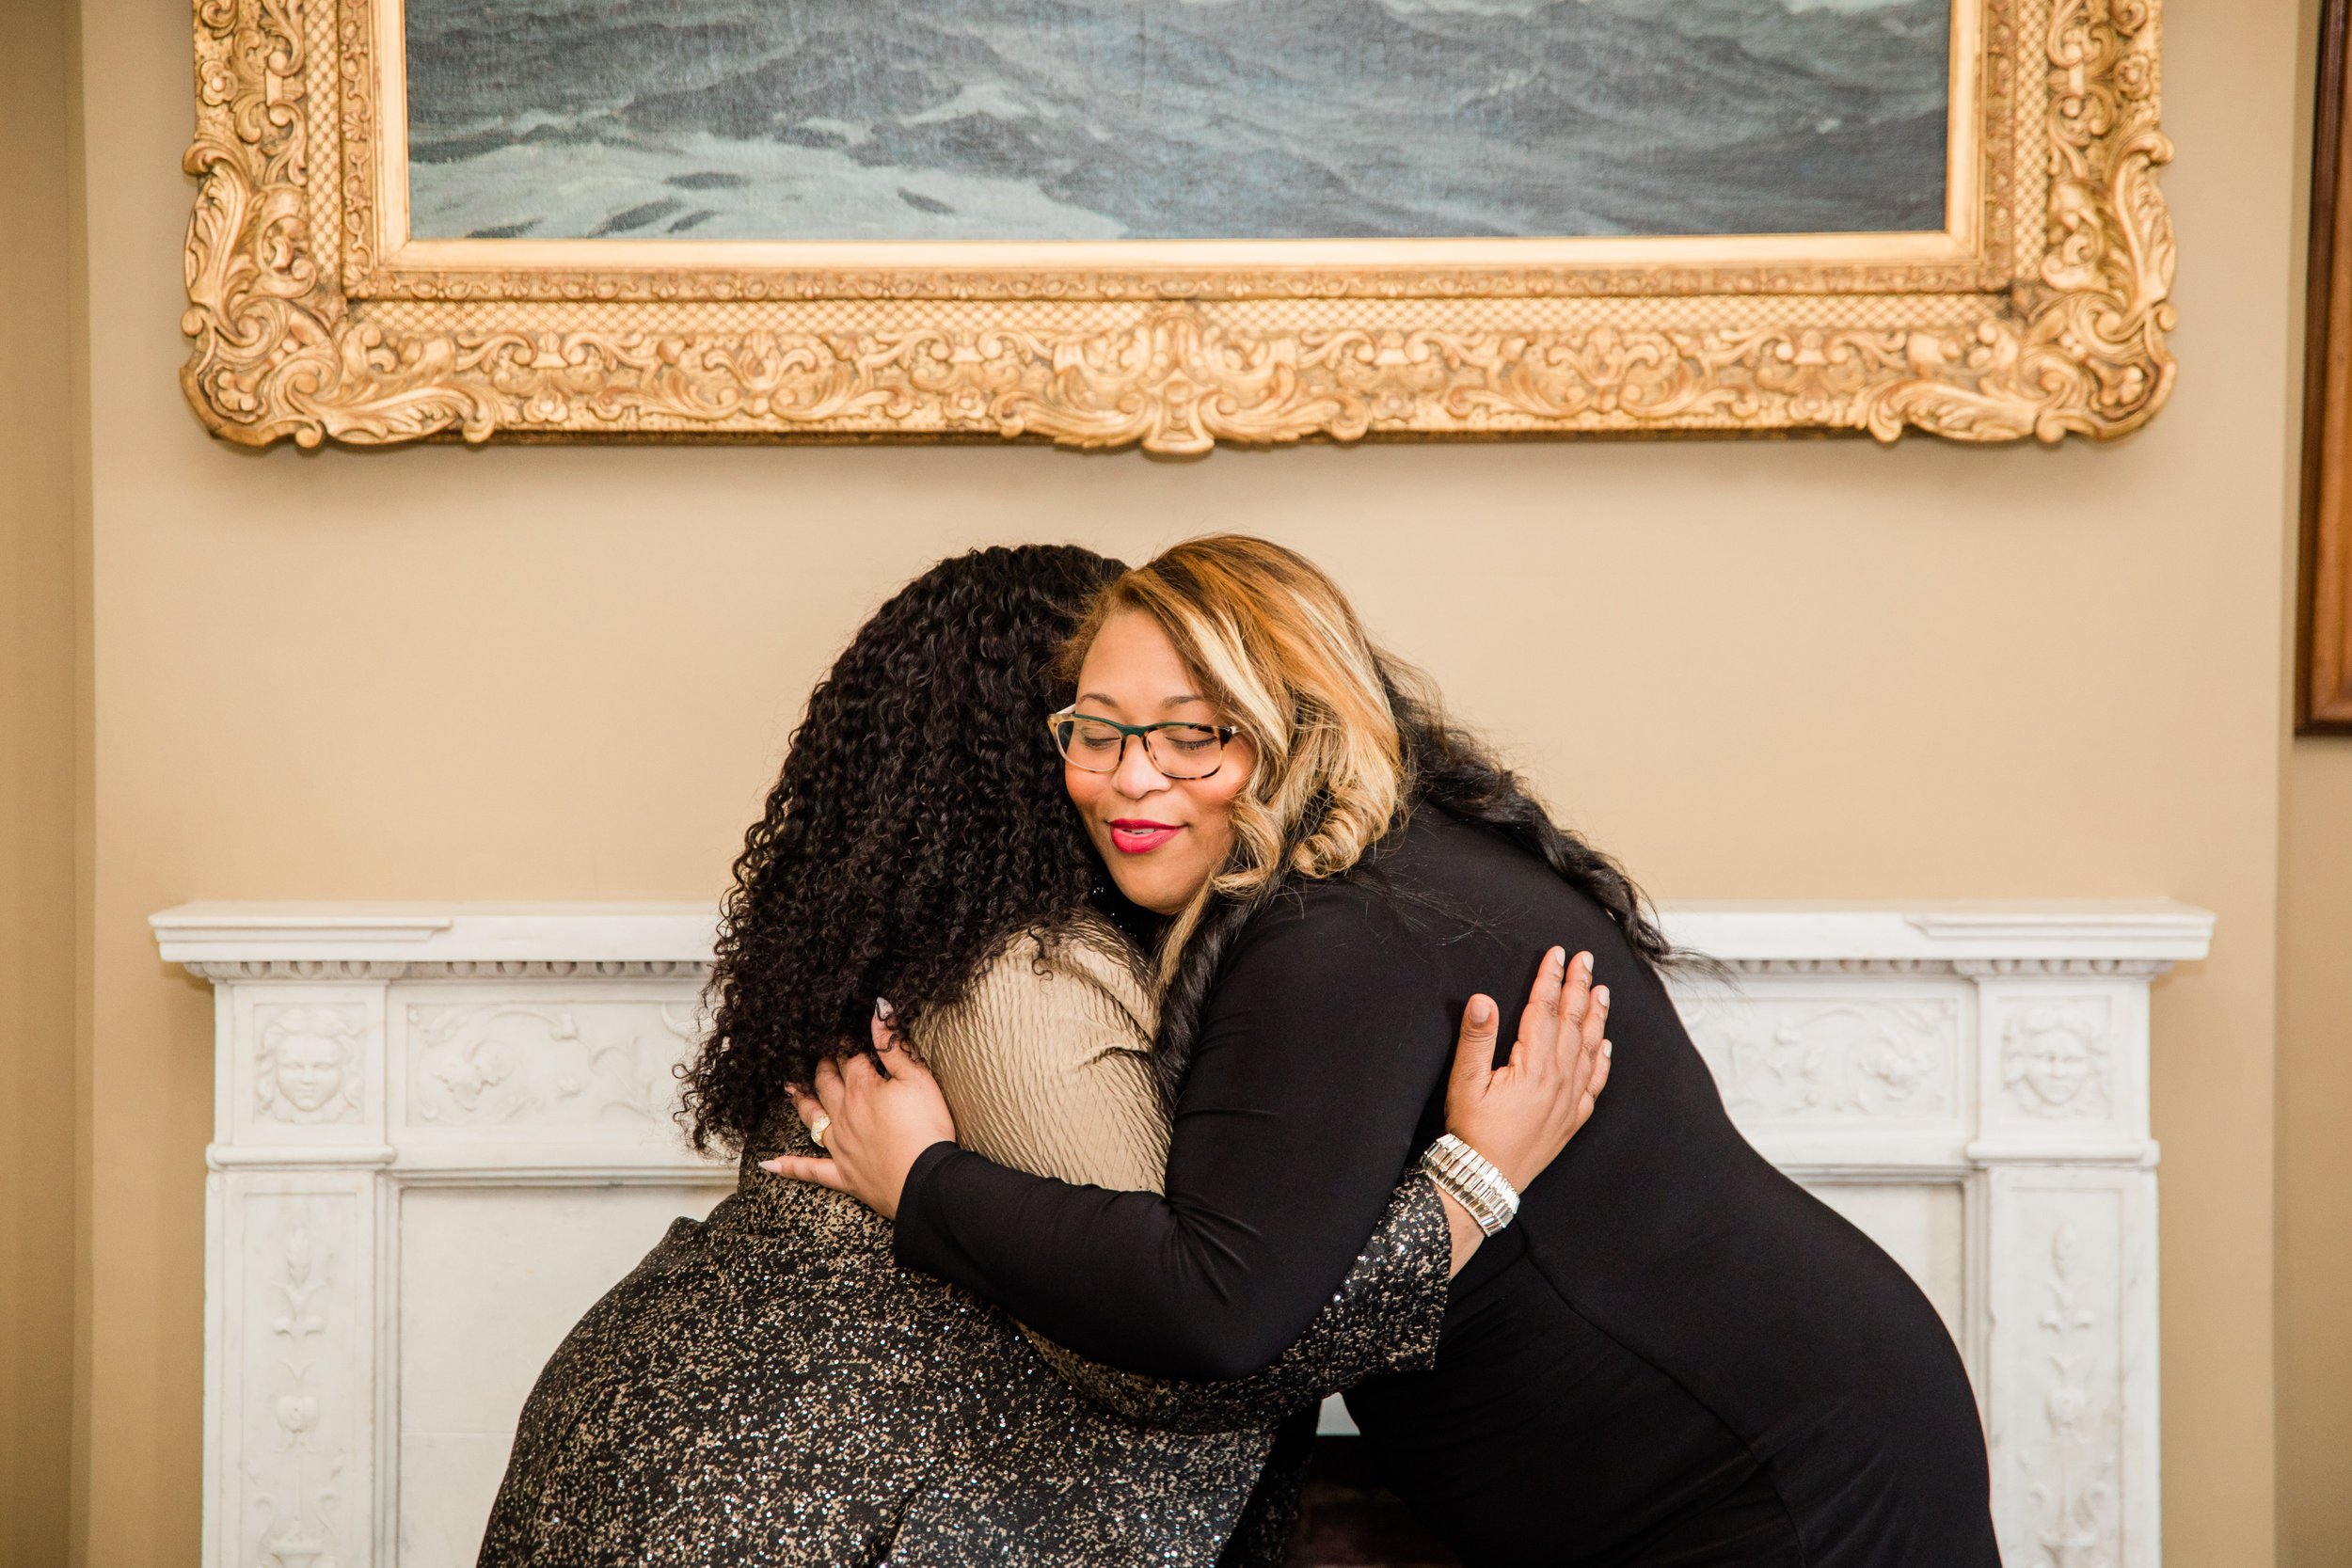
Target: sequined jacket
x=768, y=1386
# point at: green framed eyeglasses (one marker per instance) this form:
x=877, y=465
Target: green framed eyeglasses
x=1179, y=749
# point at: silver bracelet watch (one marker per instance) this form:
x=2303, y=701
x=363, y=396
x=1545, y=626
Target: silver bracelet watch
x=1471, y=1179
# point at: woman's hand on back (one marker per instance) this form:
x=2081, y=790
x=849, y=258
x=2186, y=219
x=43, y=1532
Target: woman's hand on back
x=877, y=1114
x=1522, y=1114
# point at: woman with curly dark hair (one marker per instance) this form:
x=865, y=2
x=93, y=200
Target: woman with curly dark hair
x=768, y=1386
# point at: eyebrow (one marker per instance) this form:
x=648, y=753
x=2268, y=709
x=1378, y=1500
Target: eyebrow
x=1109, y=701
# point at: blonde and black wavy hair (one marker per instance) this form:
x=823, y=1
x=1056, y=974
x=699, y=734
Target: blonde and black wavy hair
x=1348, y=742
x=1277, y=651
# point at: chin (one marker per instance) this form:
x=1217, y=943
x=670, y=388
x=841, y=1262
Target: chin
x=1154, y=898
x=1153, y=893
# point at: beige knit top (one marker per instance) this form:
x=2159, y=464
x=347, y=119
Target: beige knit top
x=1046, y=1063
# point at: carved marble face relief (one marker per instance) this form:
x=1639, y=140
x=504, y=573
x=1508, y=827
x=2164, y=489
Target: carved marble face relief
x=2053, y=1062
x=307, y=1068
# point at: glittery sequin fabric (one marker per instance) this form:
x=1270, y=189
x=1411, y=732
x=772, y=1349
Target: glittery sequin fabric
x=769, y=1387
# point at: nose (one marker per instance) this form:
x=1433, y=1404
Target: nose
x=1137, y=776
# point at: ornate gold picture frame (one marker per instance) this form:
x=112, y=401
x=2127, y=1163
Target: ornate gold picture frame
x=2038, y=309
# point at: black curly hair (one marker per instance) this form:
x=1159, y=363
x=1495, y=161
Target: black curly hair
x=920, y=825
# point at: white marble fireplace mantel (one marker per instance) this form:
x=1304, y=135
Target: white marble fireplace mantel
x=442, y=1130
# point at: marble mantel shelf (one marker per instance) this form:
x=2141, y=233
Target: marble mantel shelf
x=443, y=1129
x=2145, y=930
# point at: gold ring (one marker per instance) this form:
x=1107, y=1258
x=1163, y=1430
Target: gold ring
x=817, y=1129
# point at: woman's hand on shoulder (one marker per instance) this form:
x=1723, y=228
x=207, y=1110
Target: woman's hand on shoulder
x=874, y=1116
x=1522, y=1114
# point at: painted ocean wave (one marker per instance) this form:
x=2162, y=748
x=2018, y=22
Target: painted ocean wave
x=1151, y=118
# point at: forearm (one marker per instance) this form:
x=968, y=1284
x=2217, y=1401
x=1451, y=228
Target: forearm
x=1385, y=1318
x=1124, y=1279
x=1462, y=1233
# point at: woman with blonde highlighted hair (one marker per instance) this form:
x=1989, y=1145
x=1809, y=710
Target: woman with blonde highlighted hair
x=1661, y=1351
x=1279, y=651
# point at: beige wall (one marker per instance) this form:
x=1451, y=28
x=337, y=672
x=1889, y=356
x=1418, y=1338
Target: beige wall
x=37, y=795
x=2313, y=1361
x=1752, y=669
x=2313, y=1184
x=2316, y=1158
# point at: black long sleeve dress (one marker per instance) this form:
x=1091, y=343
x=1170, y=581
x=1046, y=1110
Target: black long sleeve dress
x=1676, y=1356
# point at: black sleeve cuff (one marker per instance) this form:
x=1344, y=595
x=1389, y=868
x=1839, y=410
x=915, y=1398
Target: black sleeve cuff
x=919, y=1237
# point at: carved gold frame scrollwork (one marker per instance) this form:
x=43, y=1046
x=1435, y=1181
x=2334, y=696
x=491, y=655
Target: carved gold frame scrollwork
x=2039, y=311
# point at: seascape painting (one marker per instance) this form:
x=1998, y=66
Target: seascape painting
x=1158, y=120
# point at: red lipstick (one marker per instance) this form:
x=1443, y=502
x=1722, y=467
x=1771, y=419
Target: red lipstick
x=1136, y=835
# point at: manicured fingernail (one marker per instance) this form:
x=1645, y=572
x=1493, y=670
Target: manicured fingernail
x=1586, y=960
x=1482, y=1010
x=883, y=1010
x=1607, y=1049
x=1600, y=996
x=773, y=1168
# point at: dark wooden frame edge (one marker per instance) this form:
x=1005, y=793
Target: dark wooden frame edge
x=2325, y=544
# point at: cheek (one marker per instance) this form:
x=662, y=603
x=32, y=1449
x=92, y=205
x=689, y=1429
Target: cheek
x=1083, y=788
x=1216, y=812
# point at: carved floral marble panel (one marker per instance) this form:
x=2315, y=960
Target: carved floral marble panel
x=2073, y=1403
x=1822, y=1057
x=300, y=1445
x=530, y=1059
